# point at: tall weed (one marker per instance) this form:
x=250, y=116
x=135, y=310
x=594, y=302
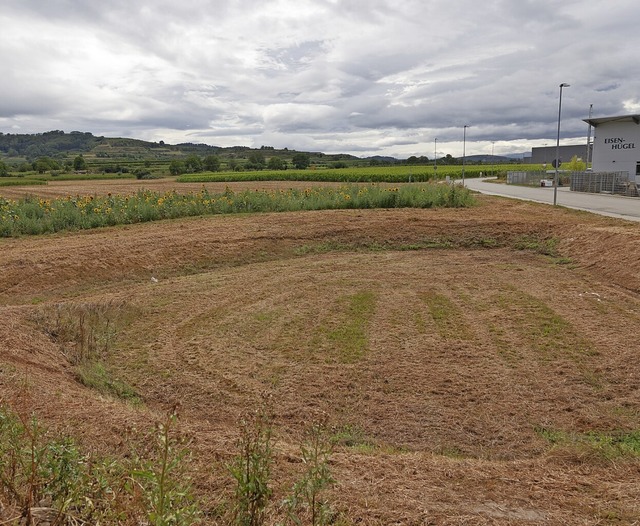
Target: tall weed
x=251, y=468
x=307, y=503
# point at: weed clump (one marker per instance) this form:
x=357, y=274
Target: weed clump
x=45, y=478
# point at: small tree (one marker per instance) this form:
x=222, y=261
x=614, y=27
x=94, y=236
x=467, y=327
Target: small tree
x=256, y=161
x=576, y=164
x=276, y=163
x=45, y=163
x=301, y=161
x=79, y=163
x=212, y=163
x=176, y=167
x=193, y=163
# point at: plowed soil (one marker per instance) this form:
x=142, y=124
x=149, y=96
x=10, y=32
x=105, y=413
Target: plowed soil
x=441, y=345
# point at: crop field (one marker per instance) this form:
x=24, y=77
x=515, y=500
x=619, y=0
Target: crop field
x=471, y=365
x=375, y=174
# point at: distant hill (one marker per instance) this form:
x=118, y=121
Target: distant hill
x=490, y=159
x=520, y=155
x=61, y=146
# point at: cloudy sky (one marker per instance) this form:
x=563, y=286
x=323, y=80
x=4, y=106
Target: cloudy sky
x=367, y=77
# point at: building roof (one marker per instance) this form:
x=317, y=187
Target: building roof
x=621, y=118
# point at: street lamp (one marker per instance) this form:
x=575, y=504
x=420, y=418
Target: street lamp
x=493, y=159
x=435, y=158
x=555, y=181
x=464, y=147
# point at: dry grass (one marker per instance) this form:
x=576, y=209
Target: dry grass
x=436, y=366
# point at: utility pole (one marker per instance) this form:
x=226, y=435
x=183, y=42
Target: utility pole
x=435, y=158
x=588, y=156
x=464, y=149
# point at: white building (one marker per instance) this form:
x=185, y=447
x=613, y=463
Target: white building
x=616, y=145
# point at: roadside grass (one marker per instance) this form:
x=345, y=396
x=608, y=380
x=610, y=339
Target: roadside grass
x=32, y=216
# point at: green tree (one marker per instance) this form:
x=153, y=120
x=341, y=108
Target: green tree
x=256, y=161
x=4, y=169
x=276, y=163
x=193, y=163
x=176, y=167
x=576, y=164
x=301, y=161
x=43, y=164
x=79, y=163
x=212, y=163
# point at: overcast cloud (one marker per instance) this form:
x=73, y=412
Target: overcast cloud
x=367, y=77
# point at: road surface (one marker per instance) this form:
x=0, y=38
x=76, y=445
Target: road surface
x=603, y=204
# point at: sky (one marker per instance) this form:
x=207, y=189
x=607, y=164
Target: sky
x=365, y=77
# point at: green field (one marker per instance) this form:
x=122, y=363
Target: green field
x=374, y=174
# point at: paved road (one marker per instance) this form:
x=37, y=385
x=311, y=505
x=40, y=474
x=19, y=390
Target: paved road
x=603, y=204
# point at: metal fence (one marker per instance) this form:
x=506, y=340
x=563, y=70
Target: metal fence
x=604, y=182
x=528, y=178
x=592, y=182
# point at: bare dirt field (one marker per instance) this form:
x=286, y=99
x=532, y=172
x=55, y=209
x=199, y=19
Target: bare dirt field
x=443, y=346
x=129, y=186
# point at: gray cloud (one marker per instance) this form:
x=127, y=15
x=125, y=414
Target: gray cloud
x=361, y=76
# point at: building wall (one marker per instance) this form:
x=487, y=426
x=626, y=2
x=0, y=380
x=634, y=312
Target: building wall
x=616, y=148
x=546, y=154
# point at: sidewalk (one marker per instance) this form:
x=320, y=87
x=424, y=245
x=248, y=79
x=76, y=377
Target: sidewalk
x=603, y=204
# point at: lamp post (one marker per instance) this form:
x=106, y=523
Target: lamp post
x=464, y=148
x=555, y=181
x=589, y=138
x=493, y=159
x=435, y=158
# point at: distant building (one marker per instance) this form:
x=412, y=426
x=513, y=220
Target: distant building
x=616, y=145
x=546, y=154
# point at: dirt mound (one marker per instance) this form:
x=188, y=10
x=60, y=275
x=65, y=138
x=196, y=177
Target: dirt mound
x=445, y=346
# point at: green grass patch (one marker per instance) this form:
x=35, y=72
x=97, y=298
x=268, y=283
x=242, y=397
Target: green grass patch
x=325, y=247
x=353, y=436
x=536, y=325
x=33, y=215
x=348, y=340
x=447, y=317
x=95, y=375
x=545, y=246
x=608, y=445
